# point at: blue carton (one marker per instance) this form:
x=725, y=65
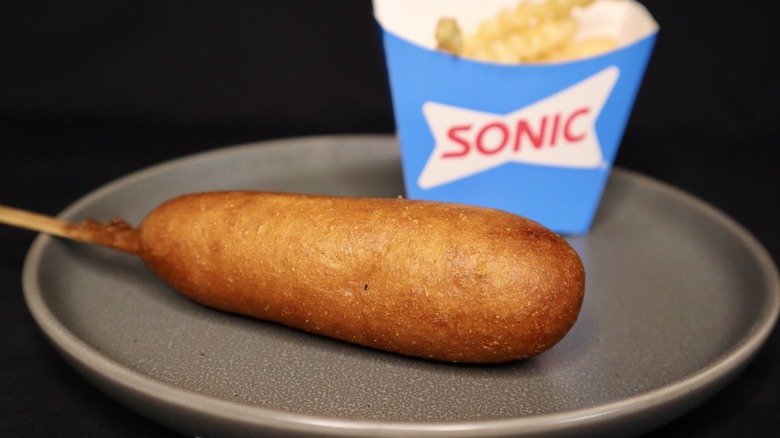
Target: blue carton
x=537, y=140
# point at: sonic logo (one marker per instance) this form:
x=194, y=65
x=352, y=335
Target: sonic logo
x=559, y=130
x=494, y=137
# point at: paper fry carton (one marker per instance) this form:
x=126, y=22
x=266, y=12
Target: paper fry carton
x=535, y=139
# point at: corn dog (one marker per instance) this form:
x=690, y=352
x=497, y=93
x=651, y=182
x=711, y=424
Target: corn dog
x=441, y=281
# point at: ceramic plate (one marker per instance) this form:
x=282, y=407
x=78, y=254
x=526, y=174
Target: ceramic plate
x=678, y=300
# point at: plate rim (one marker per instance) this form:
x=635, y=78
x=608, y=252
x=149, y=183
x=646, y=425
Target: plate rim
x=107, y=373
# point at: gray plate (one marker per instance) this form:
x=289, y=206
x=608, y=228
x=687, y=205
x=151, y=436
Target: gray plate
x=679, y=298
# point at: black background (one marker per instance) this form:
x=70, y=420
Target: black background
x=93, y=90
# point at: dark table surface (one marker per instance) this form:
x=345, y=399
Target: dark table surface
x=91, y=92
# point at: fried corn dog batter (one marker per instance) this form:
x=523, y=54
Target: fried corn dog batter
x=441, y=281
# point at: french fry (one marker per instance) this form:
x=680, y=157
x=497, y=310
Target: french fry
x=542, y=31
x=448, y=36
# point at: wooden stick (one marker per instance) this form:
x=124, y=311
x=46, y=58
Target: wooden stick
x=116, y=234
x=34, y=221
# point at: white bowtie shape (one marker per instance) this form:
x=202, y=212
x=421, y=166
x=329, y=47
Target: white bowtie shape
x=559, y=130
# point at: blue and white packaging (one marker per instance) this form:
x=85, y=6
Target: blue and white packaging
x=537, y=140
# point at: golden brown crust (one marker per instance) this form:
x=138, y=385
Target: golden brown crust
x=442, y=281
